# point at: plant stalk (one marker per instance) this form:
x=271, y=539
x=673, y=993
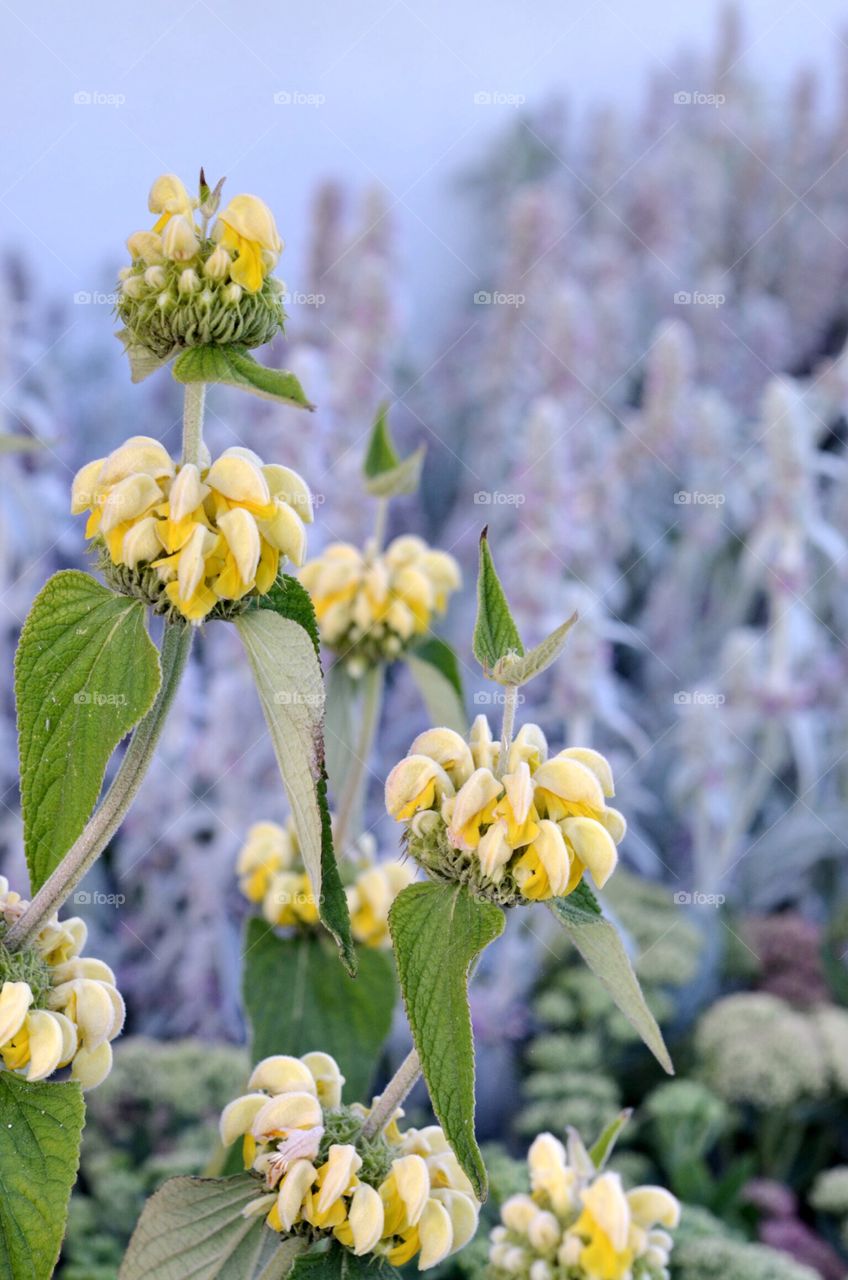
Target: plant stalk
x=102, y=826
x=193, y=405
x=508, y=725
x=390, y=1099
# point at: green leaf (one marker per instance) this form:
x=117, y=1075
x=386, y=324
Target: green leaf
x=193, y=1229
x=333, y=1262
x=297, y=1000
x=435, y=670
x=517, y=670
x=339, y=732
x=495, y=632
x=603, y=1148
x=600, y=945
x=280, y=637
x=236, y=368
x=381, y=455
x=40, y=1131
x=143, y=362
x=438, y=931
x=86, y=672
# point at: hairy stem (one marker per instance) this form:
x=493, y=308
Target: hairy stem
x=380, y=523
x=508, y=725
x=193, y=404
x=393, y=1095
x=102, y=826
x=350, y=800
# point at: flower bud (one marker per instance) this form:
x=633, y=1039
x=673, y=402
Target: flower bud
x=179, y=241
x=217, y=265
x=189, y=281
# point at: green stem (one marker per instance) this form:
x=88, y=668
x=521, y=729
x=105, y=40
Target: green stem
x=508, y=725
x=350, y=800
x=380, y=522
x=193, y=404
x=393, y=1095
x=102, y=826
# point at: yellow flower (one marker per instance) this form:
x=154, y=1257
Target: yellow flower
x=370, y=897
x=169, y=198
x=370, y=605
x=422, y=1206
x=223, y=529
x=543, y=823
x=269, y=848
x=73, y=1013
x=247, y=229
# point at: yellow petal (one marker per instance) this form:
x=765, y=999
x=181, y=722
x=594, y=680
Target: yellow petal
x=416, y=783
x=286, y=532
x=92, y=1066
x=291, y=488
x=449, y=749
x=593, y=845
x=251, y=219
x=343, y=1161
x=651, y=1205
x=596, y=762
x=242, y=536
x=463, y=1213
x=282, y=1074
x=138, y=454
x=293, y=1189
x=187, y=492
x=435, y=1231
x=239, y=479
x=566, y=782
x=607, y=1203
x=238, y=1116
x=15, y=1000
x=551, y=849
x=128, y=499
x=412, y=1179
x=46, y=1042
x=327, y=1076
x=85, y=490
x=295, y=1110
x=366, y=1218
x=141, y=542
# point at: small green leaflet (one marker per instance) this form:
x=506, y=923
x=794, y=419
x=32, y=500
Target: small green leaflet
x=142, y=361
x=296, y=1000
x=381, y=454
x=386, y=474
x=495, y=632
x=603, y=1148
x=40, y=1131
x=600, y=945
x=438, y=931
x=280, y=637
x=193, y=1229
x=86, y=672
x=517, y=670
x=233, y=366
x=435, y=670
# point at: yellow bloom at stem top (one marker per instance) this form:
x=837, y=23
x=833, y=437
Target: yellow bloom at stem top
x=58, y=1008
x=400, y=1196
x=271, y=873
x=208, y=534
x=579, y=1223
x=528, y=830
x=246, y=229
x=371, y=605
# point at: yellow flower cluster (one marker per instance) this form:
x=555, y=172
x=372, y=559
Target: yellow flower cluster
x=186, y=287
x=247, y=244
x=397, y=1196
x=579, y=1224
x=271, y=872
x=529, y=825
x=209, y=534
x=371, y=604
x=57, y=1007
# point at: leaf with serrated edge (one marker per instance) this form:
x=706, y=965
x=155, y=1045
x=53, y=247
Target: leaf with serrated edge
x=381, y=454
x=288, y=679
x=600, y=945
x=438, y=930
x=516, y=670
x=402, y=479
x=495, y=632
x=86, y=672
x=334, y=1262
x=233, y=366
x=434, y=669
x=193, y=1228
x=40, y=1131
x=295, y=1001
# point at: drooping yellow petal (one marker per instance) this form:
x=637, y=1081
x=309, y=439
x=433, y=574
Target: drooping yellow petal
x=282, y=1074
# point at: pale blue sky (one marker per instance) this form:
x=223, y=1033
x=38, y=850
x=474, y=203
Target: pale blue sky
x=392, y=86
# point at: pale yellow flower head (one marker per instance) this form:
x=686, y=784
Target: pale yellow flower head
x=579, y=1223
x=58, y=1008
x=401, y=1197
x=529, y=831
x=372, y=605
x=246, y=229
x=199, y=537
x=272, y=875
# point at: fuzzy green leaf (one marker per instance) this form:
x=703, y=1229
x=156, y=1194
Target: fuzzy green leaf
x=297, y=999
x=600, y=945
x=40, y=1131
x=193, y=1229
x=601, y=1151
x=236, y=368
x=381, y=454
x=495, y=632
x=435, y=670
x=334, y=1262
x=517, y=670
x=438, y=932
x=86, y=672
x=405, y=478
x=281, y=641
